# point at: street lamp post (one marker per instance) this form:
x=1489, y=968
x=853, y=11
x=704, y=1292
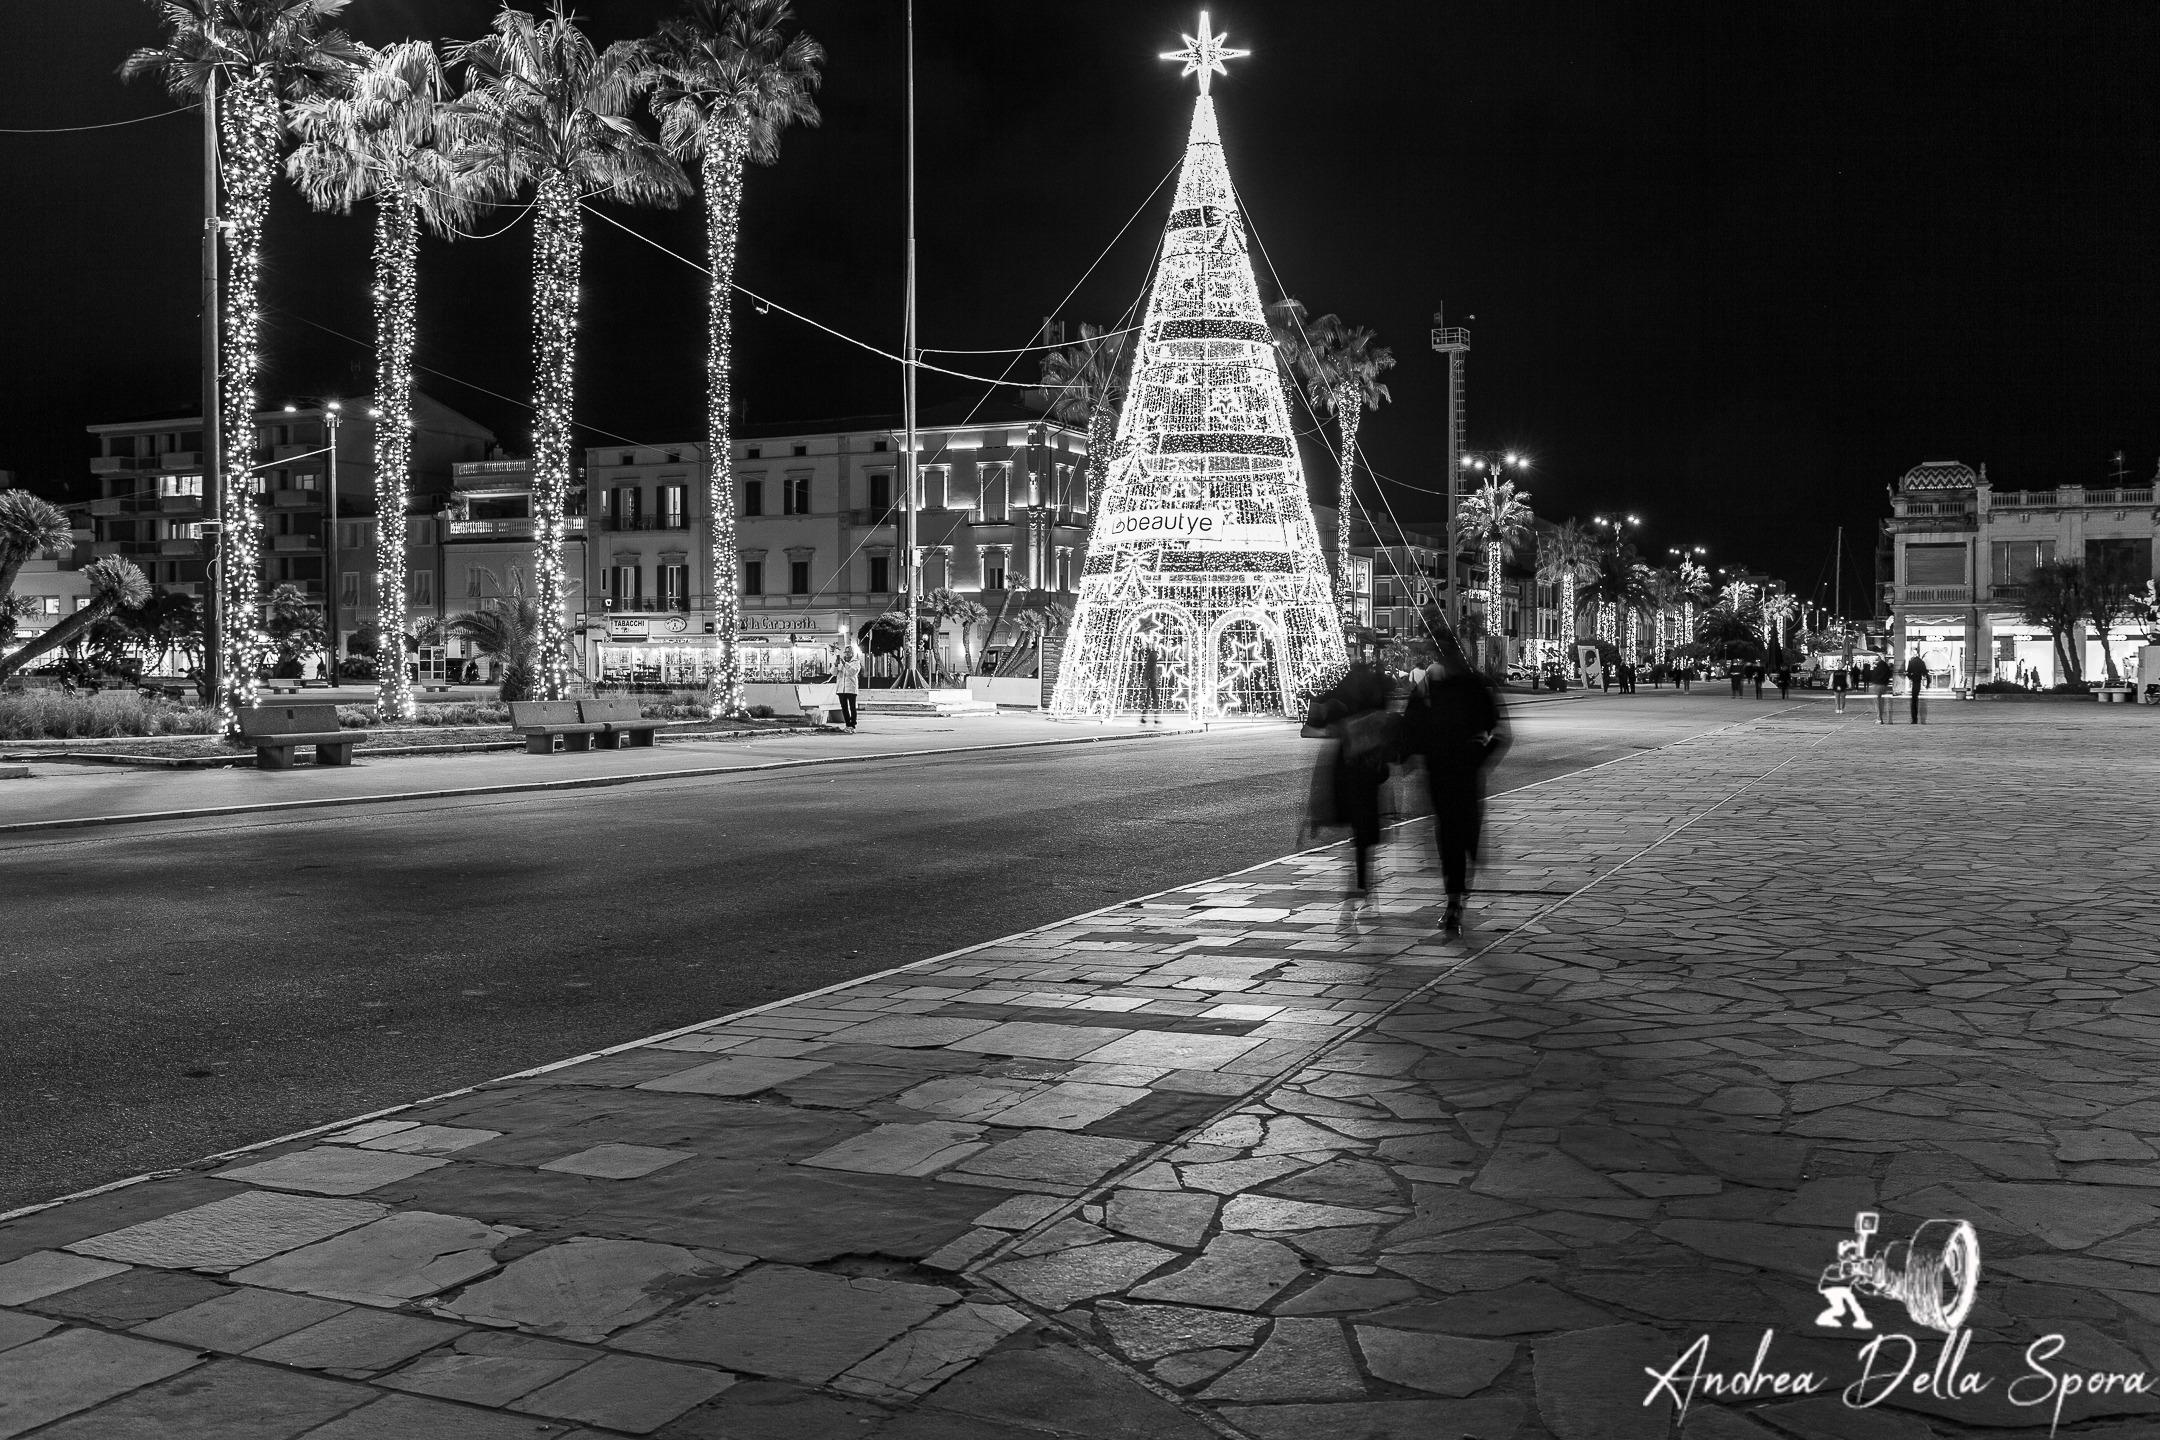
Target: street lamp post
x=333, y=413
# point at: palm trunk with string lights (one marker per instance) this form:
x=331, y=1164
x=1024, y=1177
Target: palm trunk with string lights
x=1349, y=410
x=251, y=125
x=558, y=243
x=726, y=138
x=397, y=258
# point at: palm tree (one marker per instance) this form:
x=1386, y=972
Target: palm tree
x=1342, y=368
x=254, y=54
x=115, y=584
x=1568, y=558
x=388, y=138
x=1571, y=558
x=1619, y=586
x=544, y=108
x=507, y=631
x=1498, y=517
x=1087, y=385
x=1030, y=626
x=28, y=525
x=943, y=605
x=727, y=81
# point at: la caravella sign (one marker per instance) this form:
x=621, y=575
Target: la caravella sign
x=1194, y=527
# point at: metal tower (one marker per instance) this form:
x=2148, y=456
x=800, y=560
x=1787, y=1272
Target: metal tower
x=1454, y=342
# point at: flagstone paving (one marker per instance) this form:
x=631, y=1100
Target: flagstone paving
x=1237, y=1160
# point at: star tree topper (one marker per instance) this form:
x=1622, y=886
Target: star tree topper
x=1204, y=54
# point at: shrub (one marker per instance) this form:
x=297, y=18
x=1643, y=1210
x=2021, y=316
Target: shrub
x=356, y=667
x=54, y=715
x=761, y=712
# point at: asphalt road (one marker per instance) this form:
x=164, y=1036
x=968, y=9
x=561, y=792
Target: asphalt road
x=181, y=988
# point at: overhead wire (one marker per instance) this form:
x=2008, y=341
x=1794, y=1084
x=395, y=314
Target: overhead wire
x=108, y=125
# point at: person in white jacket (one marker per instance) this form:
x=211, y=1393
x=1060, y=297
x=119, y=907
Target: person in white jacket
x=845, y=671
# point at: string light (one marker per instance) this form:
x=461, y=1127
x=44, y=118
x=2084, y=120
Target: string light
x=397, y=259
x=558, y=249
x=1239, y=608
x=727, y=138
x=250, y=124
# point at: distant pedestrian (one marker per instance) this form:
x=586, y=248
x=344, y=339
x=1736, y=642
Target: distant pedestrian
x=1150, y=682
x=1917, y=677
x=845, y=672
x=1349, y=778
x=1738, y=675
x=1755, y=677
x=1878, y=674
x=1784, y=683
x=1627, y=677
x=1455, y=723
x=1840, y=683
x=1605, y=678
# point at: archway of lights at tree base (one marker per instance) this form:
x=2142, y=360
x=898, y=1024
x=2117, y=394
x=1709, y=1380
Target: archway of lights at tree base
x=1204, y=547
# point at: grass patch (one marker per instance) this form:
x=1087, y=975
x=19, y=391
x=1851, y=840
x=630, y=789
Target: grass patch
x=55, y=715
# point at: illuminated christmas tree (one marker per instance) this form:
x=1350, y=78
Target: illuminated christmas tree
x=1204, y=550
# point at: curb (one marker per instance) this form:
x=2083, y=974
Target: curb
x=591, y=782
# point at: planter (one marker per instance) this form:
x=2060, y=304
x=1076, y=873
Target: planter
x=2037, y=697
x=817, y=701
x=2117, y=695
x=1006, y=690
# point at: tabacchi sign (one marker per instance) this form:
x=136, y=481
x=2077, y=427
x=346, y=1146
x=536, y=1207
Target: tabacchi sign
x=1935, y=1276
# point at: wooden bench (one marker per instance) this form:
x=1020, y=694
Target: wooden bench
x=277, y=730
x=620, y=720
x=283, y=687
x=540, y=721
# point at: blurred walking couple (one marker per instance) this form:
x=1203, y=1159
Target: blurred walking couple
x=1451, y=724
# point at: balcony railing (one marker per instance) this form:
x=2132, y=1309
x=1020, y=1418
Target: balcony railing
x=295, y=544
x=512, y=528
x=2059, y=499
x=1936, y=594
x=645, y=604
x=296, y=499
x=2006, y=592
x=183, y=548
x=1935, y=507
x=179, y=504
x=646, y=522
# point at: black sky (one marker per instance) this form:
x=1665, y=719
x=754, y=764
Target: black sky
x=1735, y=267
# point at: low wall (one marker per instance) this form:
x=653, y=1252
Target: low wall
x=1006, y=690
x=793, y=699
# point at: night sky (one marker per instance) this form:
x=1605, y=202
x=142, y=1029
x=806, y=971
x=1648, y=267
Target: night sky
x=1734, y=267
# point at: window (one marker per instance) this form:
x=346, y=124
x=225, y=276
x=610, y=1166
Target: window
x=183, y=529
x=348, y=590
x=753, y=453
x=936, y=492
x=628, y=459
x=191, y=440
x=1063, y=499
x=123, y=445
x=753, y=577
x=674, y=457
x=798, y=577
x=880, y=494
x=880, y=445
x=753, y=496
x=84, y=602
x=795, y=495
x=622, y=584
x=626, y=507
x=802, y=450
x=180, y=485
x=880, y=574
x=46, y=604
x=2012, y=561
x=1935, y=564
x=2135, y=556
x=420, y=587
x=673, y=502
x=1064, y=569
x=992, y=504
x=674, y=587
x=472, y=581
x=994, y=573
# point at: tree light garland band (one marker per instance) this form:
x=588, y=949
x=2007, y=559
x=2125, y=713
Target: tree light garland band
x=558, y=245
x=726, y=140
x=250, y=127
x=1349, y=412
x=1247, y=625
x=397, y=259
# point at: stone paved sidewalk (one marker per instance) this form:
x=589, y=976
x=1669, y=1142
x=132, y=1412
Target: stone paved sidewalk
x=1234, y=1161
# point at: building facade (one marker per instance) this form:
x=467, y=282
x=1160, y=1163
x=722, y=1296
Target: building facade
x=149, y=506
x=1962, y=552
x=817, y=513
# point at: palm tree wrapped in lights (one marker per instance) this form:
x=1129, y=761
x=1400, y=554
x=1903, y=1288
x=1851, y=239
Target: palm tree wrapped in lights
x=1498, y=517
x=388, y=138
x=544, y=108
x=1087, y=386
x=1694, y=585
x=1341, y=366
x=250, y=55
x=1778, y=612
x=728, y=78
x=1567, y=558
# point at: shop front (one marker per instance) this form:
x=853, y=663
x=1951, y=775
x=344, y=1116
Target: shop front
x=2024, y=655
x=675, y=652
x=1941, y=646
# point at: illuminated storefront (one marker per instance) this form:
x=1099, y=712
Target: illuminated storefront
x=675, y=651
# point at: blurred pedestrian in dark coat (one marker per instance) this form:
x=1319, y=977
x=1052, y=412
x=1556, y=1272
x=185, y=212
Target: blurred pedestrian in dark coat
x=1454, y=722
x=1349, y=778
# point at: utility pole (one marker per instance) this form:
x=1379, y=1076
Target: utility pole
x=910, y=554
x=213, y=427
x=332, y=414
x=1453, y=342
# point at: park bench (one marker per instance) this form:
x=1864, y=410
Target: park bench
x=621, y=721
x=540, y=721
x=277, y=730
x=283, y=687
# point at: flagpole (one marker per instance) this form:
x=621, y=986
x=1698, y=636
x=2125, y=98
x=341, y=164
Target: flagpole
x=910, y=558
